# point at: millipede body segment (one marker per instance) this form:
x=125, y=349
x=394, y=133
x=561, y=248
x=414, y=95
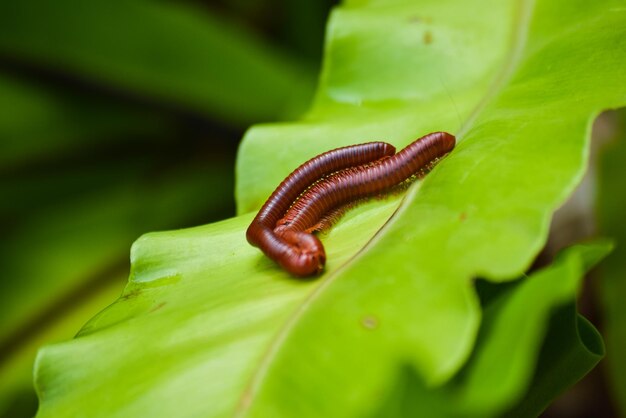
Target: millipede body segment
x=326, y=182
x=299, y=254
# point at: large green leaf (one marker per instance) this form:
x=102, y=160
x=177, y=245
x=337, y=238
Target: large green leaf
x=209, y=327
x=159, y=50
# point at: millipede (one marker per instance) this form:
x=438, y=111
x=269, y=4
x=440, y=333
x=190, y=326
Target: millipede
x=304, y=255
x=324, y=183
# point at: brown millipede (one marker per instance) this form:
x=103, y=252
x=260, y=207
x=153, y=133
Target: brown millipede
x=304, y=255
x=300, y=252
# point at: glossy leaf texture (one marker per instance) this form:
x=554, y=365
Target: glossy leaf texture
x=209, y=327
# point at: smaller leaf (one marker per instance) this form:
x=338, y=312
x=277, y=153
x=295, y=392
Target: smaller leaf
x=531, y=346
x=514, y=326
x=572, y=348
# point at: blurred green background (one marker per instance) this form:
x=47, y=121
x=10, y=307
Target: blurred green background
x=120, y=118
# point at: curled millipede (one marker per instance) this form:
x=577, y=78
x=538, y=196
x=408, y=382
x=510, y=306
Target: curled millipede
x=280, y=228
x=299, y=254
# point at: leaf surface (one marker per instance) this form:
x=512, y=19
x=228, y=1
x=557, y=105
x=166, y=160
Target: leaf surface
x=67, y=245
x=530, y=347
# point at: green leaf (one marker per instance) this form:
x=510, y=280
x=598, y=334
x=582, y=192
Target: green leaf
x=17, y=396
x=170, y=273
x=611, y=204
x=572, y=348
x=68, y=242
x=72, y=248
x=501, y=368
x=208, y=323
x=159, y=50
x=531, y=345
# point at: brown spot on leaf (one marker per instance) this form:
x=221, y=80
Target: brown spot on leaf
x=370, y=322
x=463, y=216
x=428, y=37
x=158, y=306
